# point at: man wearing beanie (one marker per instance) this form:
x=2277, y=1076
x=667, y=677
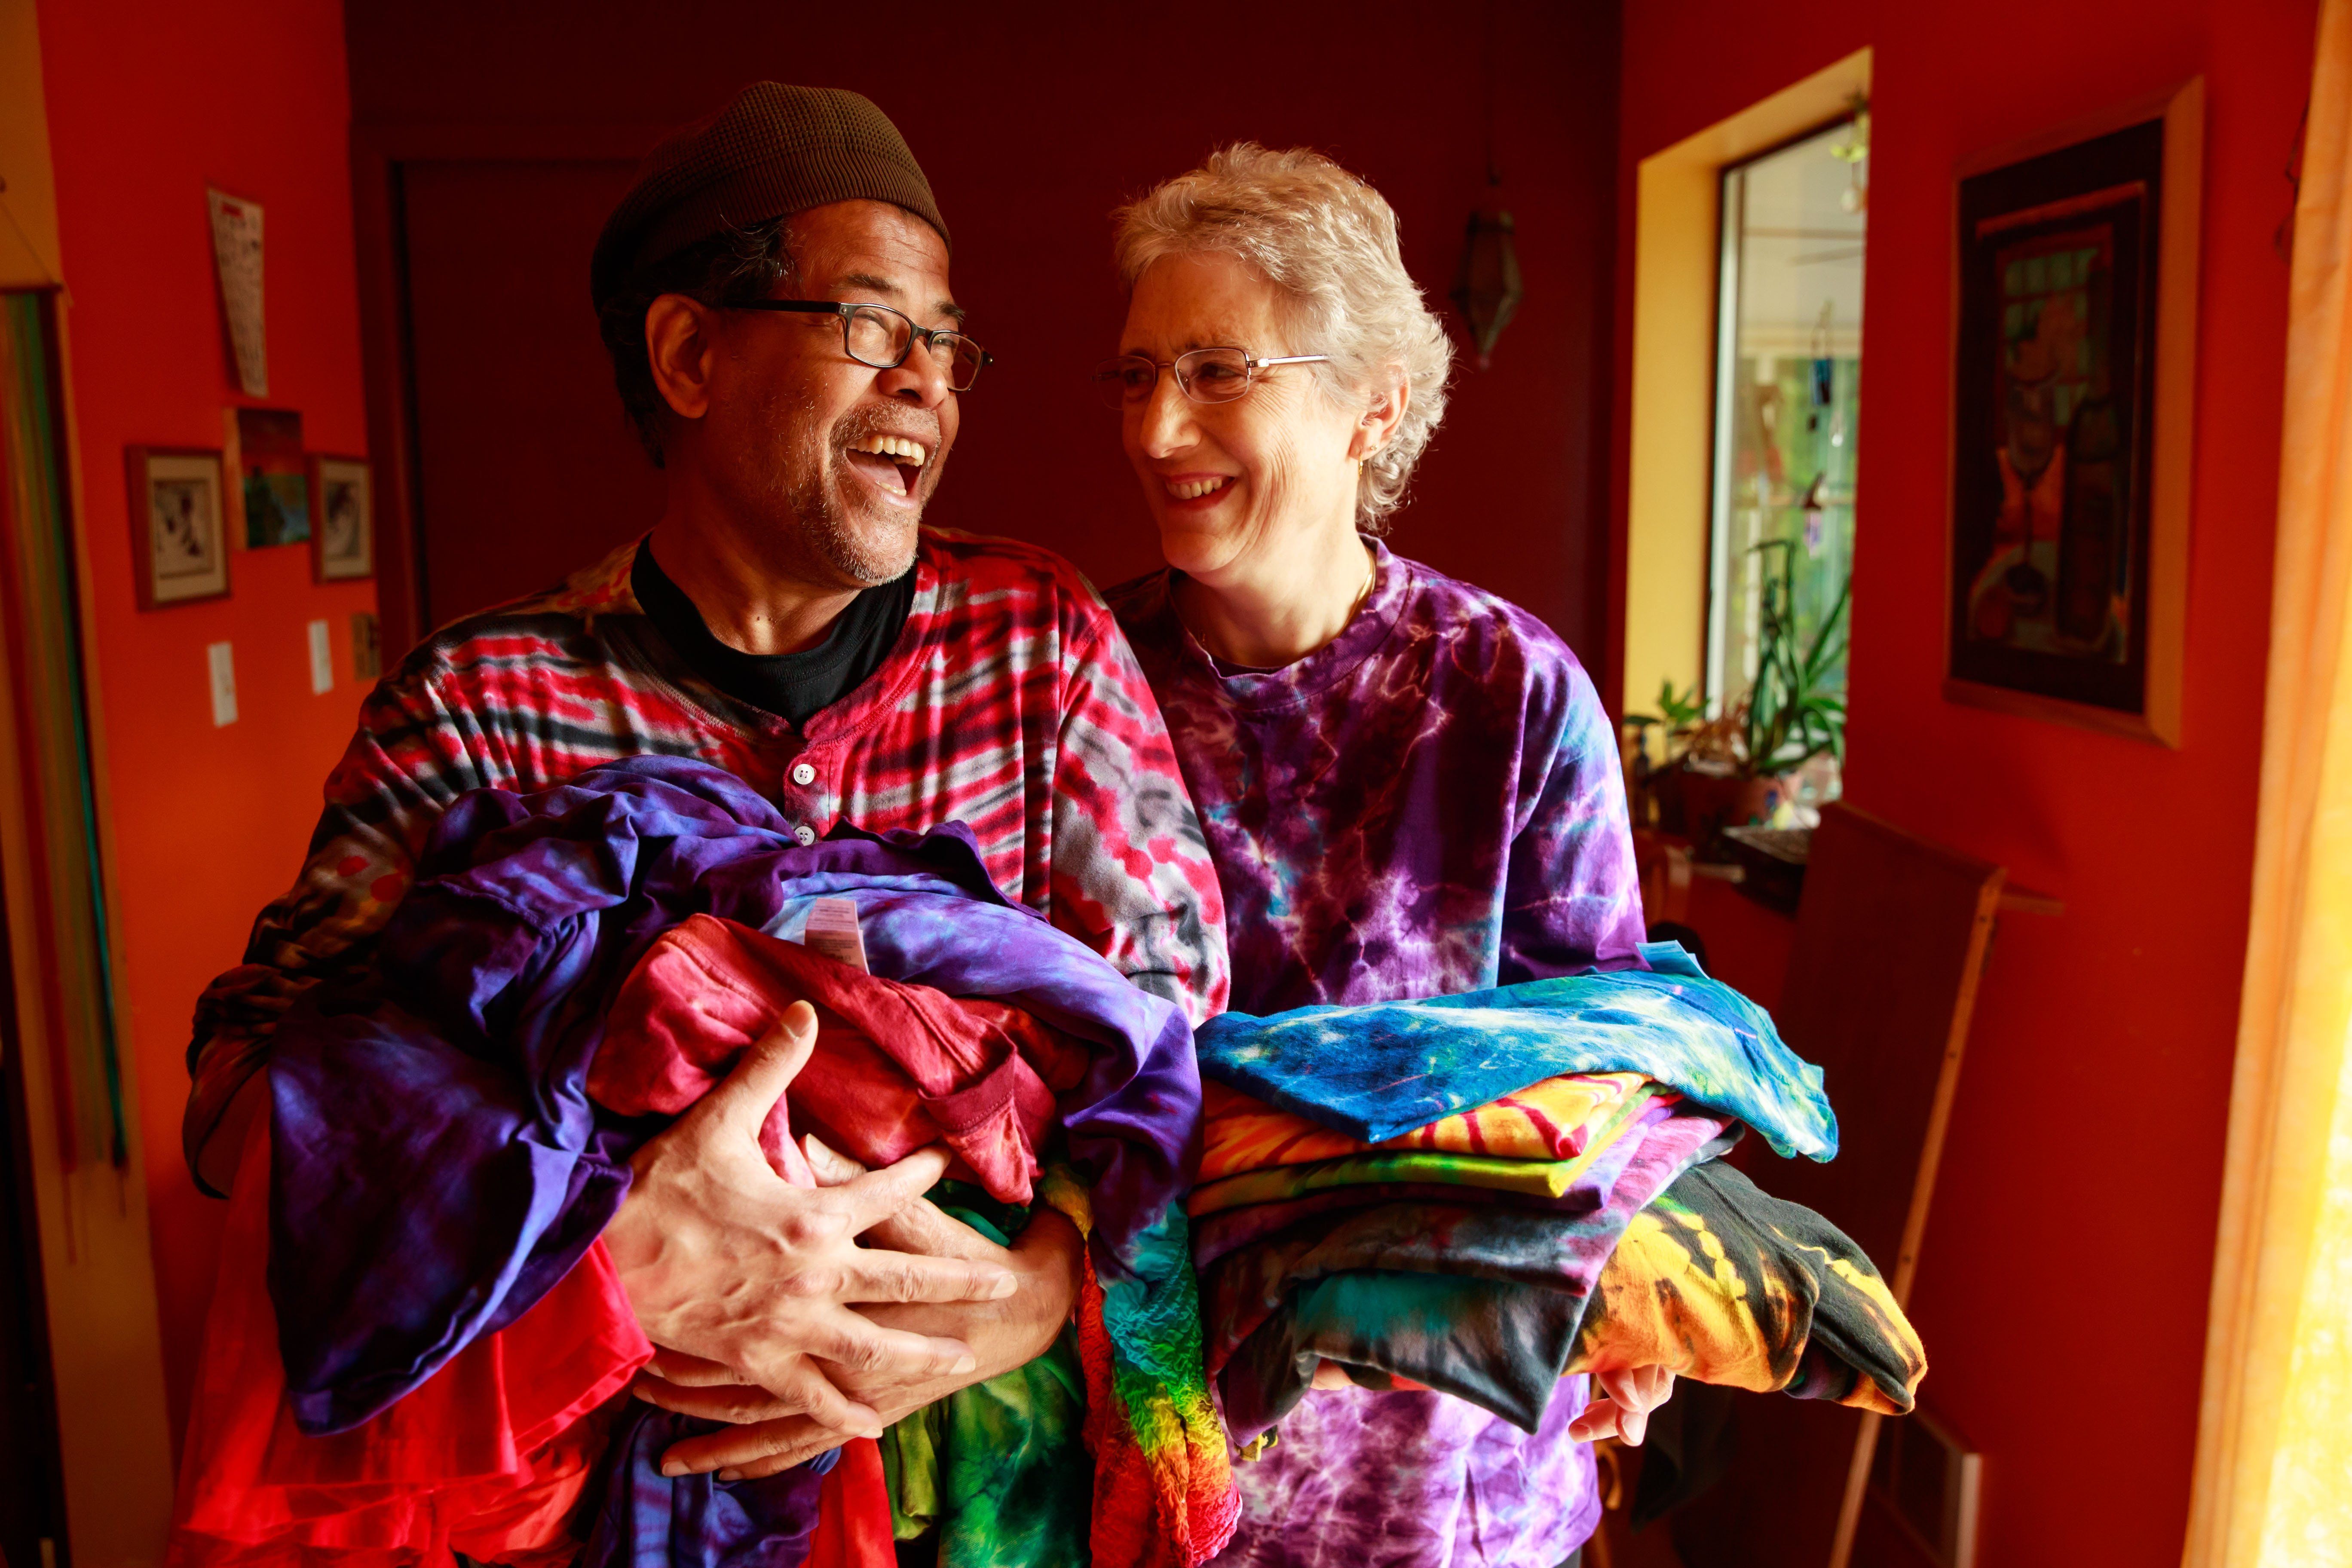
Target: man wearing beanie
x=774, y=294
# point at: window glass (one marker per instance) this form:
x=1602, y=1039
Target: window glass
x=1788, y=388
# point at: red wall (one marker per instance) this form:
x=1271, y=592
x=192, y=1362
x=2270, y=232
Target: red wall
x=148, y=102
x=2063, y=1284
x=1035, y=121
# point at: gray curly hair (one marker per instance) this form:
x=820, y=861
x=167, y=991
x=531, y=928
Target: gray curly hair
x=1328, y=242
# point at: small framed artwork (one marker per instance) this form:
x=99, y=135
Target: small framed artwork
x=367, y=646
x=274, y=478
x=342, y=545
x=179, y=534
x=2074, y=360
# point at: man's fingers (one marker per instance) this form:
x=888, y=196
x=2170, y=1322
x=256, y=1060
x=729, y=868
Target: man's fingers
x=799, y=1387
x=877, y=1195
x=759, y=1469
x=923, y=1228
x=831, y=1166
x=780, y=1443
x=875, y=1275
x=857, y=1346
x=735, y=1403
x=689, y=1371
x=766, y=1070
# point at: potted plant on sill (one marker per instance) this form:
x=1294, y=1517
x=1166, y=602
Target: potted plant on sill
x=1737, y=769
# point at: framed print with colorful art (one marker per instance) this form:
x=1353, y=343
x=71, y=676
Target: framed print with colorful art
x=342, y=542
x=2075, y=359
x=179, y=525
x=274, y=476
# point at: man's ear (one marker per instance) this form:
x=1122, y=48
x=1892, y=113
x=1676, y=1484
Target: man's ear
x=678, y=347
x=1377, y=427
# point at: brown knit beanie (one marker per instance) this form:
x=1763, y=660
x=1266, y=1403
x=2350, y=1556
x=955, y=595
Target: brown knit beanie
x=771, y=152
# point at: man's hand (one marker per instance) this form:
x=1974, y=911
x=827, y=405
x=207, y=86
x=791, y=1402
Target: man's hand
x=771, y=1435
x=1622, y=1409
x=727, y=1262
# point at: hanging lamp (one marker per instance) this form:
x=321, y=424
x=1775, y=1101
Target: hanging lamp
x=1486, y=288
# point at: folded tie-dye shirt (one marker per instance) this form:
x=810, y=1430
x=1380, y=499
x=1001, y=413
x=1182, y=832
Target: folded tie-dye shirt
x=1430, y=804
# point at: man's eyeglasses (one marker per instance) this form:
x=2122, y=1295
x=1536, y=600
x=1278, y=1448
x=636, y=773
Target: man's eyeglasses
x=1204, y=376
x=881, y=337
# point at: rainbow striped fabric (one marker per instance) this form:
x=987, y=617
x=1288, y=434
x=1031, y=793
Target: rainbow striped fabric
x=1555, y=1119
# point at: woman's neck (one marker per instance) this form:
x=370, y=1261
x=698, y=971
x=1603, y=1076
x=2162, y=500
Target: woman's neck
x=1281, y=606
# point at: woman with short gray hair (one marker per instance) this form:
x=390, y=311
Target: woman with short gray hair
x=1407, y=785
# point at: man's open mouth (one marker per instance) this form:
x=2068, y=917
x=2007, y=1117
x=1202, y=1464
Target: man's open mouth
x=892, y=462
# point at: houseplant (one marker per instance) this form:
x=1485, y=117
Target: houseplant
x=1735, y=769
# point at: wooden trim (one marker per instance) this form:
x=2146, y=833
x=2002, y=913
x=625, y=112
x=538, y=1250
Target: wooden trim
x=2252, y=1421
x=1669, y=438
x=2179, y=244
x=2172, y=430
x=378, y=250
x=379, y=154
x=2050, y=709
x=98, y=1267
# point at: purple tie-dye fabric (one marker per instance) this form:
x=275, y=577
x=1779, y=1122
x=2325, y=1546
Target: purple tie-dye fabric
x=1430, y=804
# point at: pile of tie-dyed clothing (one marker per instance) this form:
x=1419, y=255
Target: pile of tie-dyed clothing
x=418, y=1345
x=1481, y=1194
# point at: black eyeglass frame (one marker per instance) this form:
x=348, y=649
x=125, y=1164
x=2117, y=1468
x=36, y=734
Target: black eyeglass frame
x=847, y=310
x=1183, y=384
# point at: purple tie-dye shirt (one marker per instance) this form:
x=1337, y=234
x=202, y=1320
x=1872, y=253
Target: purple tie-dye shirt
x=1430, y=804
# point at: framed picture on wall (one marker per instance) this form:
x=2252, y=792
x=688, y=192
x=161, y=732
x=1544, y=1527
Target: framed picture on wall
x=343, y=544
x=179, y=525
x=2075, y=355
x=273, y=476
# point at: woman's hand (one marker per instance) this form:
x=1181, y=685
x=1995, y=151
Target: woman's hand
x=1622, y=1409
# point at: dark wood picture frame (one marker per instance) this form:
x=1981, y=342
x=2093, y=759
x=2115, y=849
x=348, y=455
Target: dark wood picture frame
x=333, y=557
x=2068, y=593
x=205, y=574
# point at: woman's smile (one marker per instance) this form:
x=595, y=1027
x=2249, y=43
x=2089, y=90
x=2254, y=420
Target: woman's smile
x=1197, y=492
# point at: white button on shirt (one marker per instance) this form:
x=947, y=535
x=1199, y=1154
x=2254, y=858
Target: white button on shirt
x=805, y=835
x=804, y=774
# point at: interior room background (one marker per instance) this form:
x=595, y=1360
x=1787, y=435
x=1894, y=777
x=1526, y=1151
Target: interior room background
x=487, y=142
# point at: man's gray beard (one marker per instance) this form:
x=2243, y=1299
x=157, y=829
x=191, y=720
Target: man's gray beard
x=825, y=524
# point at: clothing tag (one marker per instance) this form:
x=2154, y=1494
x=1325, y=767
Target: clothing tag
x=832, y=929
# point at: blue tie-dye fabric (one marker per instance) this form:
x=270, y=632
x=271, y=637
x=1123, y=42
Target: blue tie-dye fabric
x=1376, y=1071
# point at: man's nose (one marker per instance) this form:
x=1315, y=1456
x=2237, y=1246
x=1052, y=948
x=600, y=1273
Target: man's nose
x=921, y=377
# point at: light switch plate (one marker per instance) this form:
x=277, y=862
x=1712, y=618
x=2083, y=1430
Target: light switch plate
x=323, y=659
x=221, y=664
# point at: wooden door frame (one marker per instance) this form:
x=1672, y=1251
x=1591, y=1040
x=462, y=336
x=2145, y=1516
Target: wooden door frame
x=379, y=157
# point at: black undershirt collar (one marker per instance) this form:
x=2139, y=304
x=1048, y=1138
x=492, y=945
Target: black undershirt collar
x=794, y=686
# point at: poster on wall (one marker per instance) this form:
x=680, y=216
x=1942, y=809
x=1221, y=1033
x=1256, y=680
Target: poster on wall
x=179, y=525
x=274, y=476
x=343, y=546
x=2074, y=348
x=236, y=255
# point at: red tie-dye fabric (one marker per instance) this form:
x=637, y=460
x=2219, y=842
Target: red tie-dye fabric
x=1011, y=703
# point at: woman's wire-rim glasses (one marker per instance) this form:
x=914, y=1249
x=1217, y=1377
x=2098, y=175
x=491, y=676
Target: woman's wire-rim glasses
x=1204, y=375
x=955, y=353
